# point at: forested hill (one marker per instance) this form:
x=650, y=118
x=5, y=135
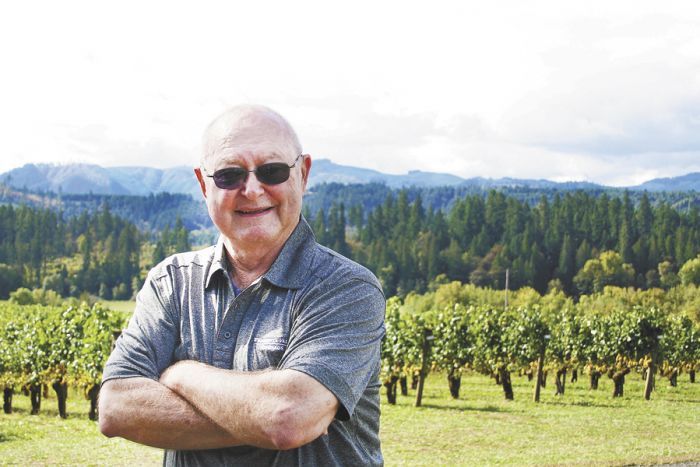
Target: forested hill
x=577, y=241
x=142, y=181
x=98, y=253
x=412, y=239
x=149, y=213
x=156, y=212
x=371, y=195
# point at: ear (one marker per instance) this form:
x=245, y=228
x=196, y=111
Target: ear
x=200, y=178
x=306, y=169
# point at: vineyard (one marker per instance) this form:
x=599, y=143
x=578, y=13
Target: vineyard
x=56, y=347
x=639, y=333
x=449, y=332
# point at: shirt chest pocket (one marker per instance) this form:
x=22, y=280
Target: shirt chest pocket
x=267, y=352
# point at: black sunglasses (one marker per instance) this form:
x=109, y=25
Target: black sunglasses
x=232, y=178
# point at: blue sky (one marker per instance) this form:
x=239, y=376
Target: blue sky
x=601, y=91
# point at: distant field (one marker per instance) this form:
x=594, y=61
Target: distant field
x=582, y=428
x=126, y=306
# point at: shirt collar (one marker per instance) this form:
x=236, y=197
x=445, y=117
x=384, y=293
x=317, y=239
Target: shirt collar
x=292, y=264
x=219, y=261
x=289, y=268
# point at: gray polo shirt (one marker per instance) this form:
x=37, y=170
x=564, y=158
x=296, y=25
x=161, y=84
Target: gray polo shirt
x=313, y=311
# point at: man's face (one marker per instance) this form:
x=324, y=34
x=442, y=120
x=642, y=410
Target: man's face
x=255, y=217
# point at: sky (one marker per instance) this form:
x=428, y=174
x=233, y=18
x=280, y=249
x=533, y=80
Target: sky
x=602, y=91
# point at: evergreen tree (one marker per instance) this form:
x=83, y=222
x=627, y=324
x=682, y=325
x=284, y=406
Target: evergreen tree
x=624, y=242
x=567, y=264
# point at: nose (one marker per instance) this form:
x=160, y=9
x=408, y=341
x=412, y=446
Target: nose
x=252, y=188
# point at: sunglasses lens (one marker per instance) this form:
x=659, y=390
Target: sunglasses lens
x=273, y=174
x=269, y=174
x=229, y=179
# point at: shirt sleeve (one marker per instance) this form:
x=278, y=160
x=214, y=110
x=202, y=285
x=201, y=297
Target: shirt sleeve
x=145, y=348
x=336, y=339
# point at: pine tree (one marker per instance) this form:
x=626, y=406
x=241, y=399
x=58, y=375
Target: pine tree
x=566, y=268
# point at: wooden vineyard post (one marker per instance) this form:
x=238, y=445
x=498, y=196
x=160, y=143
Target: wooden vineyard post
x=540, y=371
x=403, y=383
x=425, y=364
x=61, y=388
x=7, y=399
x=35, y=397
x=92, y=394
x=538, y=380
x=649, y=384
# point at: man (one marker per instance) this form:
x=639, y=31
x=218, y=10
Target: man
x=263, y=349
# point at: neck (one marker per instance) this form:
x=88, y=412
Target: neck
x=249, y=264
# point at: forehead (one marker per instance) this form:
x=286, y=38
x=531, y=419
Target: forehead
x=240, y=156
x=256, y=138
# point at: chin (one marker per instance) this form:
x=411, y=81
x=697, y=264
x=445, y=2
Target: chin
x=256, y=235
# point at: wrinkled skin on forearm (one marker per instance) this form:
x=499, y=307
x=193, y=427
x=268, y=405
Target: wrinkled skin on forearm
x=271, y=409
x=196, y=406
x=147, y=412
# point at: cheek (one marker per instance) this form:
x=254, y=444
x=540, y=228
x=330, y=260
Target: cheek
x=293, y=203
x=295, y=193
x=218, y=206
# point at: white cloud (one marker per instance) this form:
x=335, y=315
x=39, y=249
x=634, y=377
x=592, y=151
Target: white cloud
x=605, y=91
x=621, y=87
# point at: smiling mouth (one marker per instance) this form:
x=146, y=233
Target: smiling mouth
x=253, y=212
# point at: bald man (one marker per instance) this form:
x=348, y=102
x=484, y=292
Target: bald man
x=263, y=349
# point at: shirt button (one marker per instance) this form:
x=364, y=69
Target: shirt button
x=227, y=335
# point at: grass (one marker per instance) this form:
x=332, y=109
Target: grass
x=125, y=306
x=49, y=440
x=582, y=427
x=481, y=428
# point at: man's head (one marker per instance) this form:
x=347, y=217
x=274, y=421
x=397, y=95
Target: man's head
x=255, y=215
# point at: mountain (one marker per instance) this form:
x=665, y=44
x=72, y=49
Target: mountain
x=325, y=171
x=507, y=182
x=87, y=178
x=154, y=212
x=686, y=182
x=90, y=178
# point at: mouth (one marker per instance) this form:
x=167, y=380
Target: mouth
x=253, y=212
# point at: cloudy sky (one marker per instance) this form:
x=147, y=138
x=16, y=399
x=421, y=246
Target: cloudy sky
x=598, y=90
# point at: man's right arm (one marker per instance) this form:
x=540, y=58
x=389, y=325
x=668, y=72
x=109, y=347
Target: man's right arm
x=133, y=404
x=147, y=412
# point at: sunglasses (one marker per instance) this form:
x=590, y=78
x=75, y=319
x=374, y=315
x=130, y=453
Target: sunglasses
x=232, y=178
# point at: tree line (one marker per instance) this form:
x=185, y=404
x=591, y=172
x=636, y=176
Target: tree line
x=370, y=195
x=577, y=242
x=156, y=211
x=96, y=253
x=150, y=213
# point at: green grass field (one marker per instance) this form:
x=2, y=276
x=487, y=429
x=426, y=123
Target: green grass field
x=126, y=306
x=581, y=428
